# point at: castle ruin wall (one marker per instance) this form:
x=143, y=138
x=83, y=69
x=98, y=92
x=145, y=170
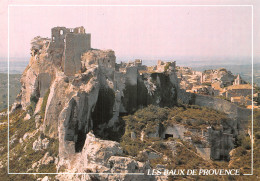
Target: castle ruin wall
x=75, y=45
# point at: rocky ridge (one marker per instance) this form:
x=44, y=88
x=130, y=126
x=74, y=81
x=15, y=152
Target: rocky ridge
x=83, y=110
x=91, y=100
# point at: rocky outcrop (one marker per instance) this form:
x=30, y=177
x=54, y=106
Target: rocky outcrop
x=221, y=75
x=91, y=99
x=40, y=144
x=45, y=160
x=102, y=156
x=97, y=151
x=221, y=144
x=239, y=116
x=221, y=141
x=85, y=96
x=36, y=80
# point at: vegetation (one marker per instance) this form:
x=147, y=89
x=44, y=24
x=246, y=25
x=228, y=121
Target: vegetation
x=14, y=88
x=167, y=66
x=147, y=120
x=206, y=83
x=197, y=117
x=44, y=103
x=223, y=97
x=185, y=155
x=22, y=156
x=241, y=156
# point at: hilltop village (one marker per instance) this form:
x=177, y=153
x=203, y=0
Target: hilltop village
x=73, y=44
x=220, y=83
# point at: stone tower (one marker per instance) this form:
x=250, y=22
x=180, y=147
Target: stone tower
x=74, y=42
x=238, y=80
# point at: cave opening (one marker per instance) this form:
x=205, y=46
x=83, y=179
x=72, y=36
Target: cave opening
x=103, y=112
x=166, y=136
x=224, y=157
x=75, y=124
x=79, y=144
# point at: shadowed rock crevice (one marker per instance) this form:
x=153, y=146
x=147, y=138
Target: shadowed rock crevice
x=166, y=91
x=79, y=144
x=103, y=111
x=78, y=122
x=71, y=125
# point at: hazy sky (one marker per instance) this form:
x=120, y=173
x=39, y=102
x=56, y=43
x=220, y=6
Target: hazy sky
x=139, y=32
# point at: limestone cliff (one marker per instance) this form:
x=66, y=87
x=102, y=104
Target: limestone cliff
x=92, y=99
x=78, y=98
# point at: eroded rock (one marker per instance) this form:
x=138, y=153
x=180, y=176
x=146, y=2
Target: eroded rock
x=40, y=144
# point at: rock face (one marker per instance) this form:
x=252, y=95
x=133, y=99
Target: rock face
x=97, y=151
x=40, y=144
x=221, y=144
x=221, y=75
x=84, y=91
x=102, y=156
x=94, y=99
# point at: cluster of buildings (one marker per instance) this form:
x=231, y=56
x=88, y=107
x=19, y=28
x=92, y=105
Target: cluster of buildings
x=73, y=45
x=161, y=66
x=220, y=83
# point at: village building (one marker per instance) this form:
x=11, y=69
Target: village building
x=239, y=80
x=239, y=90
x=218, y=82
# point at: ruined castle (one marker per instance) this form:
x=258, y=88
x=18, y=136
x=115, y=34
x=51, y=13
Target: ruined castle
x=74, y=97
x=83, y=89
x=71, y=43
x=74, y=42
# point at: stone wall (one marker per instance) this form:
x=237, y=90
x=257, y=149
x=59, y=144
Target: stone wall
x=238, y=93
x=58, y=36
x=105, y=59
x=234, y=112
x=75, y=45
x=162, y=66
x=71, y=43
x=240, y=115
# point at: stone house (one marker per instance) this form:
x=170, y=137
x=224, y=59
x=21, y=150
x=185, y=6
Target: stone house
x=239, y=90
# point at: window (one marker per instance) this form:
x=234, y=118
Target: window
x=53, y=39
x=61, y=32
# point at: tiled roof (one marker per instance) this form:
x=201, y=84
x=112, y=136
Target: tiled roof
x=241, y=86
x=235, y=99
